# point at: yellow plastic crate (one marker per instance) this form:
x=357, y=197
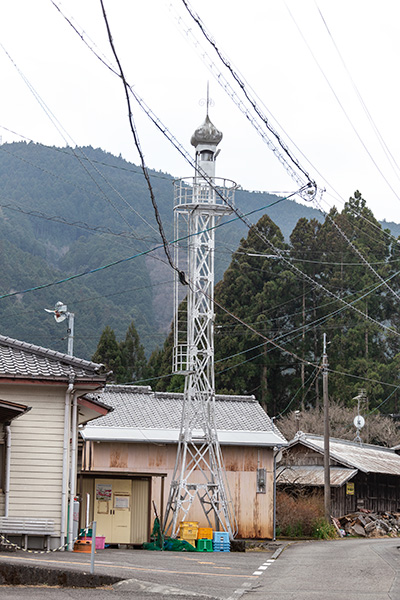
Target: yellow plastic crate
x=191, y=542
x=189, y=524
x=188, y=534
x=188, y=530
x=205, y=533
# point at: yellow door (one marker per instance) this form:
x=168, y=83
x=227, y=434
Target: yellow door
x=122, y=503
x=112, y=510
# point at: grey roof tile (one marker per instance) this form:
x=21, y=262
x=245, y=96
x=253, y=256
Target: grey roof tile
x=22, y=360
x=140, y=407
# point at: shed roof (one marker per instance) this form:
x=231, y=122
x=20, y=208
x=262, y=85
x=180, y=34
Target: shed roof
x=313, y=475
x=141, y=414
x=364, y=457
x=21, y=360
x=11, y=410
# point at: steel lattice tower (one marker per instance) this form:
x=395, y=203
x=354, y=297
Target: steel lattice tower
x=199, y=203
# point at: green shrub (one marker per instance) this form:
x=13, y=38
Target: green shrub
x=322, y=530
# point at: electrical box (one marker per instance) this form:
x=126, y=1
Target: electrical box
x=261, y=481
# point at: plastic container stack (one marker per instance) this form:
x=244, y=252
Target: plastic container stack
x=204, y=545
x=221, y=541
x=188, y=531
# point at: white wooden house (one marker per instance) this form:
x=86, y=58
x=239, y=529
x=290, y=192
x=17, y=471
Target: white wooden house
x=41, y=406
x=129, y=456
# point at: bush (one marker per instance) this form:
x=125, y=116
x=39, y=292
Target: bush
x=302, y=515
x=322, y=530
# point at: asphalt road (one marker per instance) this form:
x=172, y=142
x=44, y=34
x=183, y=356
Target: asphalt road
x=348, y=569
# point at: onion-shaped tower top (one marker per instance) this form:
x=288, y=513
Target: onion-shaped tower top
x=206, y=134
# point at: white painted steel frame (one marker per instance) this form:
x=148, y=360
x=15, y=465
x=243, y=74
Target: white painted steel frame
x=199, y=469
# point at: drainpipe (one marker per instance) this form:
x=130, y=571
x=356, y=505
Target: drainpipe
x=277, y=458
x=64, y=492
x=274, y=526
x=7, y=470
x=72, y=483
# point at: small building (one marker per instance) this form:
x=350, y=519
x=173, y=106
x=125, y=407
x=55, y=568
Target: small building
x=129, y=456
x=361, y=475
x=42, y=402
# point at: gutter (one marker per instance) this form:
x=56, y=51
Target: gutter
x=7, y=470
x=64, y=492
x=72, y=483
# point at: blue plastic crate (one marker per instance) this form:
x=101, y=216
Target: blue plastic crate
x=221, y=537
x=221, y=541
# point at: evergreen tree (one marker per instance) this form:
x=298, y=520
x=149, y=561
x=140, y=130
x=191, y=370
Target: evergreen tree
x=255, y=281
x=108, y=353
x=132, y=354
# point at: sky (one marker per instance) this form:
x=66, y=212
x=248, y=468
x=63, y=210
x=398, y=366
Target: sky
x=324, y=73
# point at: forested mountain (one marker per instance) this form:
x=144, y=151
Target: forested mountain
x=81, y=219
x=66, y=211
x=282, y=315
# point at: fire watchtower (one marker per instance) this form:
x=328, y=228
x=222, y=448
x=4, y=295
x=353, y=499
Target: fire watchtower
x=199, y=203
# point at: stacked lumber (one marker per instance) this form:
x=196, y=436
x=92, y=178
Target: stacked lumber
x=365, y=523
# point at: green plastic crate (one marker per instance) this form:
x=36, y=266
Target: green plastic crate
x=205, y=545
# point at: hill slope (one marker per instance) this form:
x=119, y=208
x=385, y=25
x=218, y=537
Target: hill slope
x=65, y=212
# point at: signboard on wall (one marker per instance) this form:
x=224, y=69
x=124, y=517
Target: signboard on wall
x=121, y=501
x=103, y=491
x=349, y=489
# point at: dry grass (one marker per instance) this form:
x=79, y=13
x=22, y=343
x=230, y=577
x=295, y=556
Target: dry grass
x=296, y=516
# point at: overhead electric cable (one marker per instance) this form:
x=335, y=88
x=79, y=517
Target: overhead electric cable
x=126, y=259
x=181, y=274
x=287, y=157
x=65, y=136
x=179, y=147
x=360, y=255
x=342, y=107
x=389, y=155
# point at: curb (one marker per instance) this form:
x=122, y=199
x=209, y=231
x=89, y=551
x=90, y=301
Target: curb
x=33, y=575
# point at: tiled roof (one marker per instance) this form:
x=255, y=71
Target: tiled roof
x=142, y=409
x=364, y=457
x=20, y=360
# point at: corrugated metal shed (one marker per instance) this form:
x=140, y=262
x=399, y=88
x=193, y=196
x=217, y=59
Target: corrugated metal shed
x=364, y=457
x=313, y=475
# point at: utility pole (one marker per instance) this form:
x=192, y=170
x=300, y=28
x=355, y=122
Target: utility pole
x=327, y=474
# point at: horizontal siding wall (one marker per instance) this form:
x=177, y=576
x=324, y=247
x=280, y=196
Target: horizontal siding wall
x=36, y=452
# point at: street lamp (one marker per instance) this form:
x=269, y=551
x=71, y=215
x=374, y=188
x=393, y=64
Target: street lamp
x=61, y=313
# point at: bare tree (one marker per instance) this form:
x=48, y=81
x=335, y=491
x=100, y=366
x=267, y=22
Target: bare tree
x=380, y=429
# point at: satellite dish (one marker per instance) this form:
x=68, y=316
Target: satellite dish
x=359, y=421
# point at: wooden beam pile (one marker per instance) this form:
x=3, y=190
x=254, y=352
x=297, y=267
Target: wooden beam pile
x=365, y=523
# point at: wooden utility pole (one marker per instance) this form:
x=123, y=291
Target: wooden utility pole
x=327, y=474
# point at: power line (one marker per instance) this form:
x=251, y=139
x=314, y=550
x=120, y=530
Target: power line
x=309, y=186
x=391, y=159
x=342, y=107
x=283, y=154
x=138, y=147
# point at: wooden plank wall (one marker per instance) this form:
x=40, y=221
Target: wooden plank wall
x=254, y=510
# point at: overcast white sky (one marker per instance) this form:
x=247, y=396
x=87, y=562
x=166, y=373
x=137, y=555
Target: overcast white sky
x=272, y=43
